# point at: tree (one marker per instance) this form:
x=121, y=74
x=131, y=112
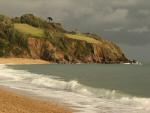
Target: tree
x=50, y=19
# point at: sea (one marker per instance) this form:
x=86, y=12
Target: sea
x=87, y=88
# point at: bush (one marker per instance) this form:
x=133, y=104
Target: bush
x=14, y=37
x=10, y=38
x=59, y=40
x=2, y=18
x=16, y=20
x=32, y=20
x=3, y=47
x=17, y=51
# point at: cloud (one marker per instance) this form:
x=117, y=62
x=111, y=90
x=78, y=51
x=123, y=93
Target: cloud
x=125, y=3
x=117, y=29
x=145, y=12
x=125, y=22
x=140, y=53
x=117, y=20
x=140, y=29
x=111, y=15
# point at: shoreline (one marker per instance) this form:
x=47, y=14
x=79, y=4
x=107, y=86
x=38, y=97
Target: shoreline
x=22, y=61
x=14, y=60
x=12, y=101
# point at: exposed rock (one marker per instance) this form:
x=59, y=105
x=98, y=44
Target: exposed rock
x=95, y=53
x=53, y=43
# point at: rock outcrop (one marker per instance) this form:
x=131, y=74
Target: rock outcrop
x=29, y=36
x=77, y=52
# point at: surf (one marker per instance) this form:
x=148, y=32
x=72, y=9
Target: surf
x=84, y=99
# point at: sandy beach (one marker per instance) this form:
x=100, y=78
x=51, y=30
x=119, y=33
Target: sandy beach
x=11, y=102
x=14, y=102
x=22, y=61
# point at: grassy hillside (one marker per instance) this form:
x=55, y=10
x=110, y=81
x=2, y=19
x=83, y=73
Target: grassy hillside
x=32, y=37
x=82, y=37
x=38, y=32
x=28, y=29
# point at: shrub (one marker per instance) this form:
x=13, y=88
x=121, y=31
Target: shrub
x=3, y=47
x=16, y=20
x=59, y=41
x=17, y=51
x=2, y=17
x=9, y=37
x=33, y=20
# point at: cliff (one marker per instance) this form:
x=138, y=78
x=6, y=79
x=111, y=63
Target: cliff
x=29, y=36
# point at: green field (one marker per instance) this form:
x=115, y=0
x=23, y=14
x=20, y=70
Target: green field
x=37, y=32
x=27, y=29
x=82, y=37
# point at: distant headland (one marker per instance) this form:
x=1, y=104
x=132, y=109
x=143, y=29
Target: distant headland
x=31, y=37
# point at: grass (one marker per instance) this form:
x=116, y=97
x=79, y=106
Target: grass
x=37, y=32
x=27, y=29
x=82, y=37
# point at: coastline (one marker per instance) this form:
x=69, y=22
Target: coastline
x=14, y=61
x=13, y=102
x=22, y=61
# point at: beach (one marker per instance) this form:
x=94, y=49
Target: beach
x=11, y=102
x=22, y=61
x=81, y=88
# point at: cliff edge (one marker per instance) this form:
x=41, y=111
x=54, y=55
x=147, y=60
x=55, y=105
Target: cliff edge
x=29, y=36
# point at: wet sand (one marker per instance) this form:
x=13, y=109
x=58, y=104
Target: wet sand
x=13, y=102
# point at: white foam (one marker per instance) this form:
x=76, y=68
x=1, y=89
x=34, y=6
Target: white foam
x=73, y=85
x=84, y=99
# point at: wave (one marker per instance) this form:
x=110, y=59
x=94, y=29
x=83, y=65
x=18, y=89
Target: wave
x=85, y=99
x=73, y=85
x=54, y=82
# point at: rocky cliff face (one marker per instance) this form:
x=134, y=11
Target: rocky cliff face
x=77, y=52
x=29, y=36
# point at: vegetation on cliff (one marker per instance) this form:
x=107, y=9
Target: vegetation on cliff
x=31, y=37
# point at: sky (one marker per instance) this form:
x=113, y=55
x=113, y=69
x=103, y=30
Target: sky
x=125, y=22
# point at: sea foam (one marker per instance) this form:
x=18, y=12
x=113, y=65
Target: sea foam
x=83, y=98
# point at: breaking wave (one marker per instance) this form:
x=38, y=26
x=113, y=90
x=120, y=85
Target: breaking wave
x=83, y=98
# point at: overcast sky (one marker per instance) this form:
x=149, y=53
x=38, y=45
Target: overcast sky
x=126, y=22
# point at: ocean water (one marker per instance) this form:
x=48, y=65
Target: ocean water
x=91, y=88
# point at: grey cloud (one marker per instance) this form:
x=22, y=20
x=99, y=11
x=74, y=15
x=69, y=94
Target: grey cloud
x=103, y=17
x=140, y=29
x=116, y=29
x=137, y=52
